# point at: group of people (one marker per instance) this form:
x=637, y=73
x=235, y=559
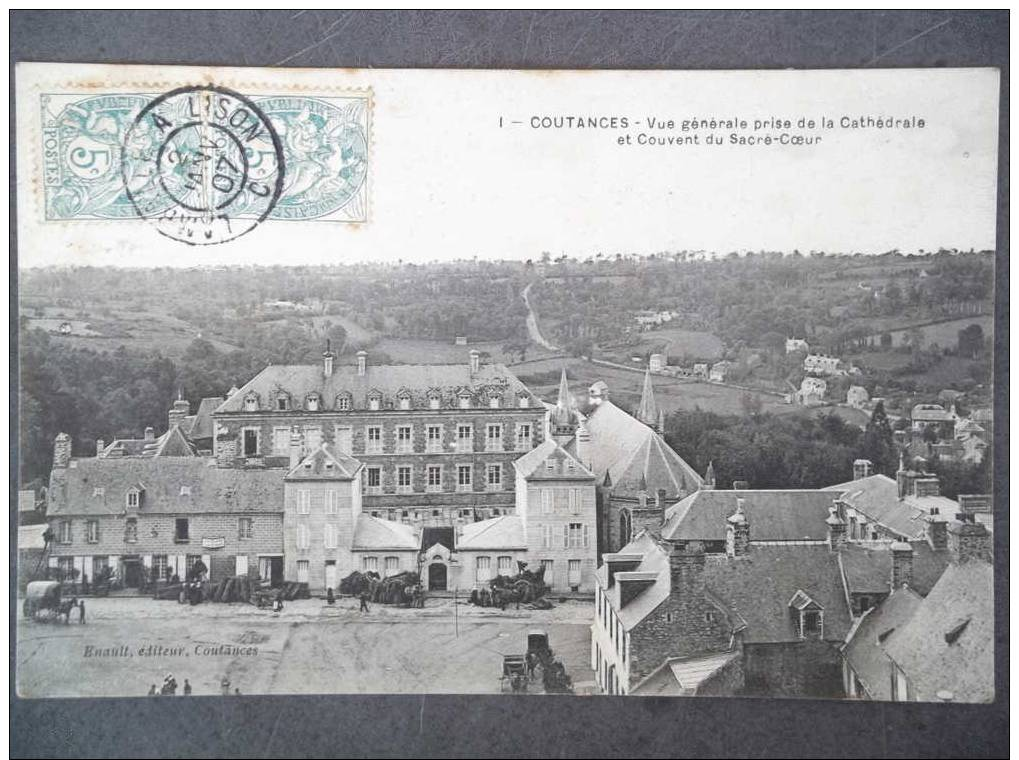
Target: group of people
x=169, y=687
x=415, y=596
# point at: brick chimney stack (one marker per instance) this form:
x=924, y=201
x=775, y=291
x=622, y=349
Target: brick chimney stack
x=150, y=433
x=862, y=468
x=181, y=408
x=327, y=360
x=62, y=450
x=686, y=568
x=100, y=445
x=475, y=360
x=836, y=528
x=936, y=531
x=969, y=540
x=362, y=363
x=737, y=532
x=902, y=565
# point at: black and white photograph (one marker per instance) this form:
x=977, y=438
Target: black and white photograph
x=551, y=384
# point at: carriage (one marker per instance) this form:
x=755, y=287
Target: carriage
x=44, y=603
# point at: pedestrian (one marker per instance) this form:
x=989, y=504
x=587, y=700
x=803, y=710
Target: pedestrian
x=187, y=688
x=152, y=690
x=237, y=692
x=224, y=686
x=531, y=664
x=364, y=602
x=330, y=599
x=169, y=685
x=84, y=583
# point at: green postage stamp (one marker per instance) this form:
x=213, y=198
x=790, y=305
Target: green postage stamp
x=102, y=153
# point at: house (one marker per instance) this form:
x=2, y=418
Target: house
x=700, y=369
x=759, y=618
x=823, y=364
x=812, y=391
x=657, y=362
x=934, y=417
x=857, y=397
x=792, y=345
x=156, y=516
x=932, y=643
x=65, y=328
x=719, y=371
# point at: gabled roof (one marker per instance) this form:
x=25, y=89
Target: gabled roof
x=212, y=489
x=774, y=515
x=201, y=426
x=948, y=643
x=326, y=463
x=532, y=464
x=388, y=379
x=868, y=568
x=865, y=647
x=877, y=498
x=626, y=449
x=683, y=676
x=172, y=443
x=375, y=534
x=506, y=532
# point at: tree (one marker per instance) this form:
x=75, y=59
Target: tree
x=878, y=441
x=971, y=341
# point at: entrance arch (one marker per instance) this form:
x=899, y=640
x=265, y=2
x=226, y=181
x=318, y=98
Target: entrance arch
x=437, y=577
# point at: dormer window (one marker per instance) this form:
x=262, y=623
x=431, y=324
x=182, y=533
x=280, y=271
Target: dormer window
x=434, y=399
x=343, y=402
x=494, y=401
x=134, y=498
x=99, y=491
x=374, y=401
x=282, y=402
x=251, y=402
x=185, y=490
x=403, y=398
x=312, y=402
x=523, y=402
x=809, y=615
x=464, y=399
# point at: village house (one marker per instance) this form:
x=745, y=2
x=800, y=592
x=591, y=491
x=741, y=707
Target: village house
x=812, y=391
x=793, y=345
x=700, y=369
x=657, y=362
x=823, y=364
x=933, y=417
x=720, y=371
x=857, y=397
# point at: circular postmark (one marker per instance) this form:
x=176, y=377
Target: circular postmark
x=202, y=163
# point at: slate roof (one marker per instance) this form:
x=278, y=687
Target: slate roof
x=375, y=534
x=868, y=568
x=753, y=590
x=627, y=450
x=532, y=464
x=212, y=489
x=759, y=586
x=388, y=379
x=326, y=463
x=682, y=676
x=865, y=644
x=172, y=443
x=877, y=497
x=506, y=532
x=774, y=515
x=962, y=603
x=201, y=426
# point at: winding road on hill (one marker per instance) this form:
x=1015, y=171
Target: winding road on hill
x=532, y=322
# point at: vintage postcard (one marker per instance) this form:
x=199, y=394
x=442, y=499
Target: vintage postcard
x=400, y=381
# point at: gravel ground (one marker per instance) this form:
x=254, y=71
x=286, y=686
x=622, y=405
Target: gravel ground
x=128, y=644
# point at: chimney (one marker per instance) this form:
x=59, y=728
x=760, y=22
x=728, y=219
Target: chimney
x=327, y=360
x=62, y=450
x=740, y=485
x=584, y=443
x=226, y=450
x=902, y=565
x=475, y=360
x=968, y=540
x=181, y=408
x=836, y=528
x=862, y=468
x=362, y=363
x=686, y=569
x=927, y=486
x=296, y=444
x=737, y=532
x=150, y=434
x=936, y=530
x=100, y=445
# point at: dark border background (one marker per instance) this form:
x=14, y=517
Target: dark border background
x=400, y=726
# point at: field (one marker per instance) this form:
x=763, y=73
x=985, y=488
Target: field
x=686, y=345
x=945, y=334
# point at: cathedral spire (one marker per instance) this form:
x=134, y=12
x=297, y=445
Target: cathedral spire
x=647, y=412
x=709, y=476
x=563, y=422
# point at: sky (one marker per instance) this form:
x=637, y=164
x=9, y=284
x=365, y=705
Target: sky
x=446, y=181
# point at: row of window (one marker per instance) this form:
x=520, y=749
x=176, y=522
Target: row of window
x=611, y=623
x=376, y=400
x=434, y=481
x=561, y=500
x=181, y=530
x=159, y=566
x=403, y=439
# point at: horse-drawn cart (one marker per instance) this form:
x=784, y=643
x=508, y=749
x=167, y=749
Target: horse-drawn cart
x=43, y=603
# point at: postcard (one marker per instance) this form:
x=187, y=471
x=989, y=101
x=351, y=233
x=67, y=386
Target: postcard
x=645, y=383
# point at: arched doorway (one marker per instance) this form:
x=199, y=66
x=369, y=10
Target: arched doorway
x=436, y=577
